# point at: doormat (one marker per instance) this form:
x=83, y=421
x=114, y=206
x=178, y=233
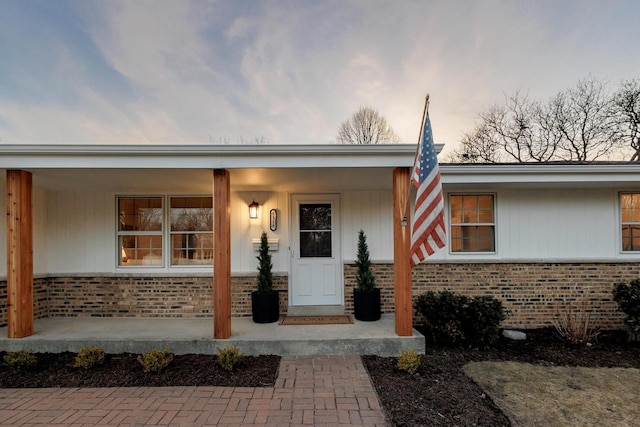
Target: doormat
x=341, y=319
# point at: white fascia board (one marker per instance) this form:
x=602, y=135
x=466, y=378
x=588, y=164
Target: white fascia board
x=540, y=173
x=27, y=156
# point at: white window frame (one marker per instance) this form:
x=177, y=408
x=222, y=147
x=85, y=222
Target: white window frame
x=165, y=233
x=494, y=224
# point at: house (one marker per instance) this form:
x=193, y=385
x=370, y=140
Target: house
x=172, y=231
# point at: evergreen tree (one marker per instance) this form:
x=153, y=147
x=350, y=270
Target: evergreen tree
x=265, y=278
x=365, y=279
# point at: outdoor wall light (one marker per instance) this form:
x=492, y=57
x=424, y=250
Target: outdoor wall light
x=253, y=210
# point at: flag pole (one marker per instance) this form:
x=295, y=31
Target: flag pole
x=406, y=200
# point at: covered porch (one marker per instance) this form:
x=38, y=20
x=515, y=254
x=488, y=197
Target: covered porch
x=187, y=336
x=233, y=176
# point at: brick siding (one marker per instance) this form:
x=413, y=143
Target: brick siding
x=40, y=306
x=532, y=293
x=136, y=296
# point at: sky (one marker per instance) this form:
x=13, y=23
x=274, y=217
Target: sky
x=290, y=72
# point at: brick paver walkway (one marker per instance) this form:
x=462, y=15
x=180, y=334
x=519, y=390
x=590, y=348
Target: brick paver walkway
x=329, y=390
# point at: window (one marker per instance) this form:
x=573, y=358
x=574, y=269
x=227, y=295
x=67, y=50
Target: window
x=630, y=221
x=191, y=231
x=140, y=231
x=472, y=223
x=315, y=230
x=142, y=238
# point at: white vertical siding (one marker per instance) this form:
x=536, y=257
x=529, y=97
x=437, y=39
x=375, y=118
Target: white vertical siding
x=551, y=224
x=556, y=223
x=80, y=229
x=40, y=238
x=244, y=229
x=74, y=232
x=372, y=212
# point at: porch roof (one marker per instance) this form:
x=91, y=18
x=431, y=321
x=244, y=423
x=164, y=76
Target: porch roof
x=326, y=167
x=36, y=156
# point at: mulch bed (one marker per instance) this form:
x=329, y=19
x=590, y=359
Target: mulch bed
x=123, y=370
x=440, y=394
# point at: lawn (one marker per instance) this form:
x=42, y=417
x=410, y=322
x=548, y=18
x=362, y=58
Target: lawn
x=533, y=395
x=440, y=393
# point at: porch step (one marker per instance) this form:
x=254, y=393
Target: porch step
x=315, y=310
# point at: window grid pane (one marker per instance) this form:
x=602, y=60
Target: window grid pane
x=140, y=231
x=474, y=229
x=140, y=214
x=192, y=248
x=191, y=230
x=630, y=221
x=191, y=214
x=140, y=249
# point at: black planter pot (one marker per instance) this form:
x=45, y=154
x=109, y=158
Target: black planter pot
x=265, y=307
x=366, y=305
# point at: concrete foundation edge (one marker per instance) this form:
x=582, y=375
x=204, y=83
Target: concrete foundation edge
x=379, y=347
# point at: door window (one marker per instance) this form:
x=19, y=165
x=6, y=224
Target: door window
x=315, y=230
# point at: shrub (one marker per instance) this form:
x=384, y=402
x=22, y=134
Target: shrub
x=409, y=361
x=265, y=276
x=20, y=360
x=456, y=319
x=574, y=324
x=229, y=357
x=628, y=298
x=443, y=315
x=365, y=278
x=89, y=357
x=155, y=360
x=483, y=317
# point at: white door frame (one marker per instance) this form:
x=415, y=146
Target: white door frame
x=313, y=296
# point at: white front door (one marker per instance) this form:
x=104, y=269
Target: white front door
x=316, y=264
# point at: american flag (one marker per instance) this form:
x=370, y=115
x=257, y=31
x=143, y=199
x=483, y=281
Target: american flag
x=428, y=218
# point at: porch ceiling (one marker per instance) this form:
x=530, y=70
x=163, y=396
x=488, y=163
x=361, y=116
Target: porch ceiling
x=200, y=180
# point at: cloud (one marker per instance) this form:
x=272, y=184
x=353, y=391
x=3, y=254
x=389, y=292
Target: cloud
x=291, y=71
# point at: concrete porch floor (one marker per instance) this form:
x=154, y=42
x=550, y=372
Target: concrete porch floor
x=182, y=336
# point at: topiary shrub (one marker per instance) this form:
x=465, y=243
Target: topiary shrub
x=628, y=298
x=229, y=357
x=454, y=319
x=89, y=357
x=365, y=278
x=409, y=361
x=20, y=360
x=155, y=360
x=265, y=276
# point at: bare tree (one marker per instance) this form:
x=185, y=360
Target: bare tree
x=521, y=130
x=366, y=126
x=578, y=124
x=626, y=105
x=477, y=147
x=583, y=117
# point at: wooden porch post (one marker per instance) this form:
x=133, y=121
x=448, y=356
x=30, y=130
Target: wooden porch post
x=401, y=246
x=221, y=255
x=19, y=254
